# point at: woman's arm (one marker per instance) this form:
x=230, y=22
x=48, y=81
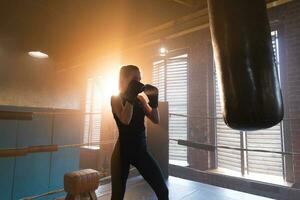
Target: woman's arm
x=124, y=113
x=154, y=115
x=151, y=113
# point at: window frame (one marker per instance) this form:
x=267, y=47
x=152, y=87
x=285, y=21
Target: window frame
x=164, y=59
x=243, y=134
x=90, y=114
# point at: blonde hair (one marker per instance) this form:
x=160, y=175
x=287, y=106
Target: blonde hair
x=127, y=70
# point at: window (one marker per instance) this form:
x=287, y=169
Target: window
x=170, y=76
x=92, y=121
x=159, y=78
x=251, y=163
x=266, y=163
x=227, y=159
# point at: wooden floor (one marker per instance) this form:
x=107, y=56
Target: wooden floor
x=180, y=189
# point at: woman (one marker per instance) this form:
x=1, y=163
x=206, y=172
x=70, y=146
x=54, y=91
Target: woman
x=129, y=110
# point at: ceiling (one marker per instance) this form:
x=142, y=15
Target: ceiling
x=67, y=28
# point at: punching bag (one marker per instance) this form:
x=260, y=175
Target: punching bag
x=246, y=70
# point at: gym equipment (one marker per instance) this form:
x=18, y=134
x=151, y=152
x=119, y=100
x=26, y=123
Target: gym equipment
x=210, y=147
x=246, y=69
x=81, y=184
x=12, y=152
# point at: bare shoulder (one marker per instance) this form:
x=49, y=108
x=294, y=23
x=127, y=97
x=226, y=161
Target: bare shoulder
x=115, y=98
x=115, y=101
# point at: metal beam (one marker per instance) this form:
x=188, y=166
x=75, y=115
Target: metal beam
x=170, y=25
x=184, y=2
x=204, y=25
x=277, y=3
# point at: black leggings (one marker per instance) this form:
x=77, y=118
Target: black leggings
x=138, y=156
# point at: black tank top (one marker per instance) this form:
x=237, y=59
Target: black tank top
x=135, y=130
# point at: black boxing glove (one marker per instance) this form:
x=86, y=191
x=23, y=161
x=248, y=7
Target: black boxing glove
x=152, y=94
x=133, y=89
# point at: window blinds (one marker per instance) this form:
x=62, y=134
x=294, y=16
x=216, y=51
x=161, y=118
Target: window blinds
x=171, y=78
x=228, y=159
x=92, y=122
x=267, y=139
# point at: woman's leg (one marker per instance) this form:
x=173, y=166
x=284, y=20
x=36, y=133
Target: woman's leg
x=119, y=173
x=151, y=172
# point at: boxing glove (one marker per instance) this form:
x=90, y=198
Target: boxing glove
x=152, y=94
x=133, y=89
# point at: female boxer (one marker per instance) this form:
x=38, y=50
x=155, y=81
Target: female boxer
x=129, y=110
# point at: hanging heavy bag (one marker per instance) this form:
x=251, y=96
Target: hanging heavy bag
x=250, y=91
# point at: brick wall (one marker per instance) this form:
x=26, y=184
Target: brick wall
x=291, y=36
x=200, y=100
x=286, y=19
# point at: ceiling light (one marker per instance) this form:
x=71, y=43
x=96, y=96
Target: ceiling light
x=163, y=51
x=37, y=54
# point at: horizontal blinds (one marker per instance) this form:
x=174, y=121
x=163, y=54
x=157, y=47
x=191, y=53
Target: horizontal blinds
x=159, y=78
x=170, y=76
x=88, y=105
x=92, y=123
x=268, y=139
x=265, y=163
x=176, y=75
x=96, y=108
x=227, y=159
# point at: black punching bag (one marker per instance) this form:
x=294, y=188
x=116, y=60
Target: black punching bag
x=248, y=77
